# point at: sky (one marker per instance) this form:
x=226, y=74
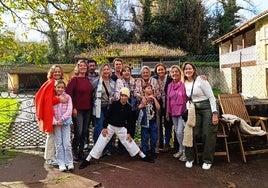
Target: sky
x=261, y=5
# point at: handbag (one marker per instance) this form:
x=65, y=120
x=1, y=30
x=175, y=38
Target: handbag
x=185, y=113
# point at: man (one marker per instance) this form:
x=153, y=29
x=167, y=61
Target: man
x=114, y=124
x=118, y=66
x=92, y=75
x=117, y=74
x=92, y=66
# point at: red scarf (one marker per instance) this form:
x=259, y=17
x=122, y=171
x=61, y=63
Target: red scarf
x=44, y=100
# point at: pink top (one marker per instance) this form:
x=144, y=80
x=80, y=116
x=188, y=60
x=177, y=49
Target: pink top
x=176, y=98
x=63, y=111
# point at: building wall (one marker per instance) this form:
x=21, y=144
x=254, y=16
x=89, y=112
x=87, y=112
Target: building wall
x=254, y=76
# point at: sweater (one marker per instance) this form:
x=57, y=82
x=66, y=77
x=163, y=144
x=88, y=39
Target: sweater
x=80, y=90
x=118, y=115
x=176, y=98
x=202, y=91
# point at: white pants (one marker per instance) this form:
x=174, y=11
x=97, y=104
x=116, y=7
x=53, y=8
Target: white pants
x=121, y=133
x=50, y=150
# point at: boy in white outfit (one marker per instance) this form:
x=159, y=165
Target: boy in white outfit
x=118, y=116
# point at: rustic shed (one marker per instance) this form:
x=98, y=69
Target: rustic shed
x=137, y=55
x=32, y=76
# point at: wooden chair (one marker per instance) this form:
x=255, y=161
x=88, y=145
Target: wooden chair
x=234, y=104
x=222, y=135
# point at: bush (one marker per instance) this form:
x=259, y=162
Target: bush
x=9, y=109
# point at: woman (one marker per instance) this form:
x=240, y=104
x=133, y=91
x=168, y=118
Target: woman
x=80, y=90
x=163, y=80
x=176, y=105
x=139, y=93
x=104, y=88
x=146, y=78
x=206, y=115
x=44, y=100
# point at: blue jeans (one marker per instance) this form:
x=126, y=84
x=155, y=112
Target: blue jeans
x=179, y=130
x=81, y=124
x=147, y=134
x=98, y=126
x=63, y=145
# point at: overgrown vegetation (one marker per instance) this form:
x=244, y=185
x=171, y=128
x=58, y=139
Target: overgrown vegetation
x=8, y=111
x=75, y=27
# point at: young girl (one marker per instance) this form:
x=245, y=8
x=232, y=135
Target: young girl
x=176, y=104
x=62, y=128
x=147, y=119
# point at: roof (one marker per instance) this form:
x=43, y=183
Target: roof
x=142, y=50
x=244, y=26
x=36, y=69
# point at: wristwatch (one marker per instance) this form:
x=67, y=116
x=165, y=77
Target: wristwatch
x=215, y=112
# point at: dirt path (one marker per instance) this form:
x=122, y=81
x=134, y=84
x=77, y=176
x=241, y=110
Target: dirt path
x=28, y=170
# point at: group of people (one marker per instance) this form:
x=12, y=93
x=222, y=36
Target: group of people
x=151, y=104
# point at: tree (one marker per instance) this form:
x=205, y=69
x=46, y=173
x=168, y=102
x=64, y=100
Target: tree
x=173, y=23
x=13, y=51
x=63, y=21
x=229, y=18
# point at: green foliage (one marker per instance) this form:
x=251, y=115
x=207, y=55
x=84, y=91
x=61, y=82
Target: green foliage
x=176, y=24
x=216, y=92
x=228, y=19
x=203, y=60
x=16, y=52
x=8, y=111
x=62, y=22
x=207, y=64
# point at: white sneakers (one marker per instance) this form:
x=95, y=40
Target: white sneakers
x=206, y=166
x=189, y=164
x=70, y=167
x=62, y=168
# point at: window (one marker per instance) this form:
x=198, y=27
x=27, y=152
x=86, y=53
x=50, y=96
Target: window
x=266, y=42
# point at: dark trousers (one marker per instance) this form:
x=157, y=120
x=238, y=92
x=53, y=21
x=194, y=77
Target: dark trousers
x=81, y=124
x=204, y=130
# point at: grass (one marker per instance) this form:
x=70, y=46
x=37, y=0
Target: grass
x=8, y=111
x=7, y=154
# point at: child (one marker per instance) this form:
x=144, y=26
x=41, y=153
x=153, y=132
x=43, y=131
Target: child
x=147, y=119
x=116, y=122
x=62, y=128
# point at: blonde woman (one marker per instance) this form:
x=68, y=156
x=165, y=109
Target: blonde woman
x=104, y=88
x=45, y=98
x=176, y=105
